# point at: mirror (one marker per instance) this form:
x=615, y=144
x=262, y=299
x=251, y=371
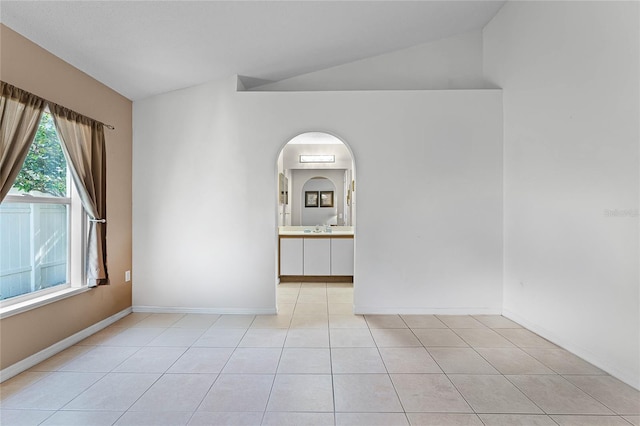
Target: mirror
x=315, y=172
x=319, y=206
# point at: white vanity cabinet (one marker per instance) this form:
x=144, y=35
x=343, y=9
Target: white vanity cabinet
x=320, y=256
x=317, y=256
x=291, y=256
x=341, y=256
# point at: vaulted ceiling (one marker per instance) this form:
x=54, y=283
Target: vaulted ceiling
x=143, y=48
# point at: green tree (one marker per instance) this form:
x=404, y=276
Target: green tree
x=45, y=168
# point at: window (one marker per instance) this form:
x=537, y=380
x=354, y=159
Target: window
x=40, y=223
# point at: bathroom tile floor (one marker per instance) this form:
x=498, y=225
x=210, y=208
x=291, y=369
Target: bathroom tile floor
x=315, y=363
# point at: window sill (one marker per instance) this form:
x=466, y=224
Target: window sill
x=37, y=302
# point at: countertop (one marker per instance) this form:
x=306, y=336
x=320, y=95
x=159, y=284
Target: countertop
x=309, y=231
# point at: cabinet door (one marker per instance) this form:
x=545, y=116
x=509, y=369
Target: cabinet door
x=291, y=255
x=317, y=256
x=342, y=256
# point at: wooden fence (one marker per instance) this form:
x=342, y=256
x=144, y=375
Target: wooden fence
x=34, y=247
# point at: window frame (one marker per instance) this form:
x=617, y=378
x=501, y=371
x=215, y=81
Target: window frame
x=76, y=249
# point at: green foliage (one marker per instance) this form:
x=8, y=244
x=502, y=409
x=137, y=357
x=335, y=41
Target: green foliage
x=45, y=168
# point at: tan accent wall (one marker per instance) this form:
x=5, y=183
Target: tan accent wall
x=28, y=66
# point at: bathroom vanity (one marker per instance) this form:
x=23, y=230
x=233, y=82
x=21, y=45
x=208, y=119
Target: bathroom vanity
x=307, y=253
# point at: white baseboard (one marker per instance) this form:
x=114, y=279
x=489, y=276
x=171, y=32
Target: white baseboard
x=377, y=310
x=37, y=358
x=220, y=311
x=627, y=377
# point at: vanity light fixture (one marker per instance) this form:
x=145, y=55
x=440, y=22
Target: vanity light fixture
x=317, y=158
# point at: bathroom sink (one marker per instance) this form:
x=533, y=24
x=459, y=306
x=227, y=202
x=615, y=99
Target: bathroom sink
x=310, y=230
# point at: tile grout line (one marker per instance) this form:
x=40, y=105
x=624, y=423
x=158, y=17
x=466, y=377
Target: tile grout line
x=395, y=389
x=165, y=372
x=552, y=373
x=499, y=373
x=333, y=385
x=447, y=376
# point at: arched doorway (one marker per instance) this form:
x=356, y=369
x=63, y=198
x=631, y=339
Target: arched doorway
x=315, y=155
x=316, y=211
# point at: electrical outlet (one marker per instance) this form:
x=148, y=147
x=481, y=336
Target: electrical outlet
x=127, y=276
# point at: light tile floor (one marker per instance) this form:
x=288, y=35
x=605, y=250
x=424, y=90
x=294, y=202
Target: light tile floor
x=316, y=364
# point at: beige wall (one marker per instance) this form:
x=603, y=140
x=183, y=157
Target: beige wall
x=28, y=66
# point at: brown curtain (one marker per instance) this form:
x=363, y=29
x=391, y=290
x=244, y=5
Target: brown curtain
x=84, y=148
x=20, y=114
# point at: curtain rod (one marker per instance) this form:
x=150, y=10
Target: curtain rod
x=108, y=126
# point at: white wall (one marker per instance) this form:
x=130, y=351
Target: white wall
x=429, y=189
x=202, y=239
x=569, y=71
x=451, y=63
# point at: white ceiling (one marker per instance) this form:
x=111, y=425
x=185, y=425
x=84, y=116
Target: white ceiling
x=143, y=48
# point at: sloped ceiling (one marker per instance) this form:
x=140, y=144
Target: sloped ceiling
x=143, y=48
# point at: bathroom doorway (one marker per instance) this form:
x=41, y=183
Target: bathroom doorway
x=316, y=215
x=310, y=156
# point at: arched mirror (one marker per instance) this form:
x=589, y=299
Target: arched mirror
x=320, y=206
